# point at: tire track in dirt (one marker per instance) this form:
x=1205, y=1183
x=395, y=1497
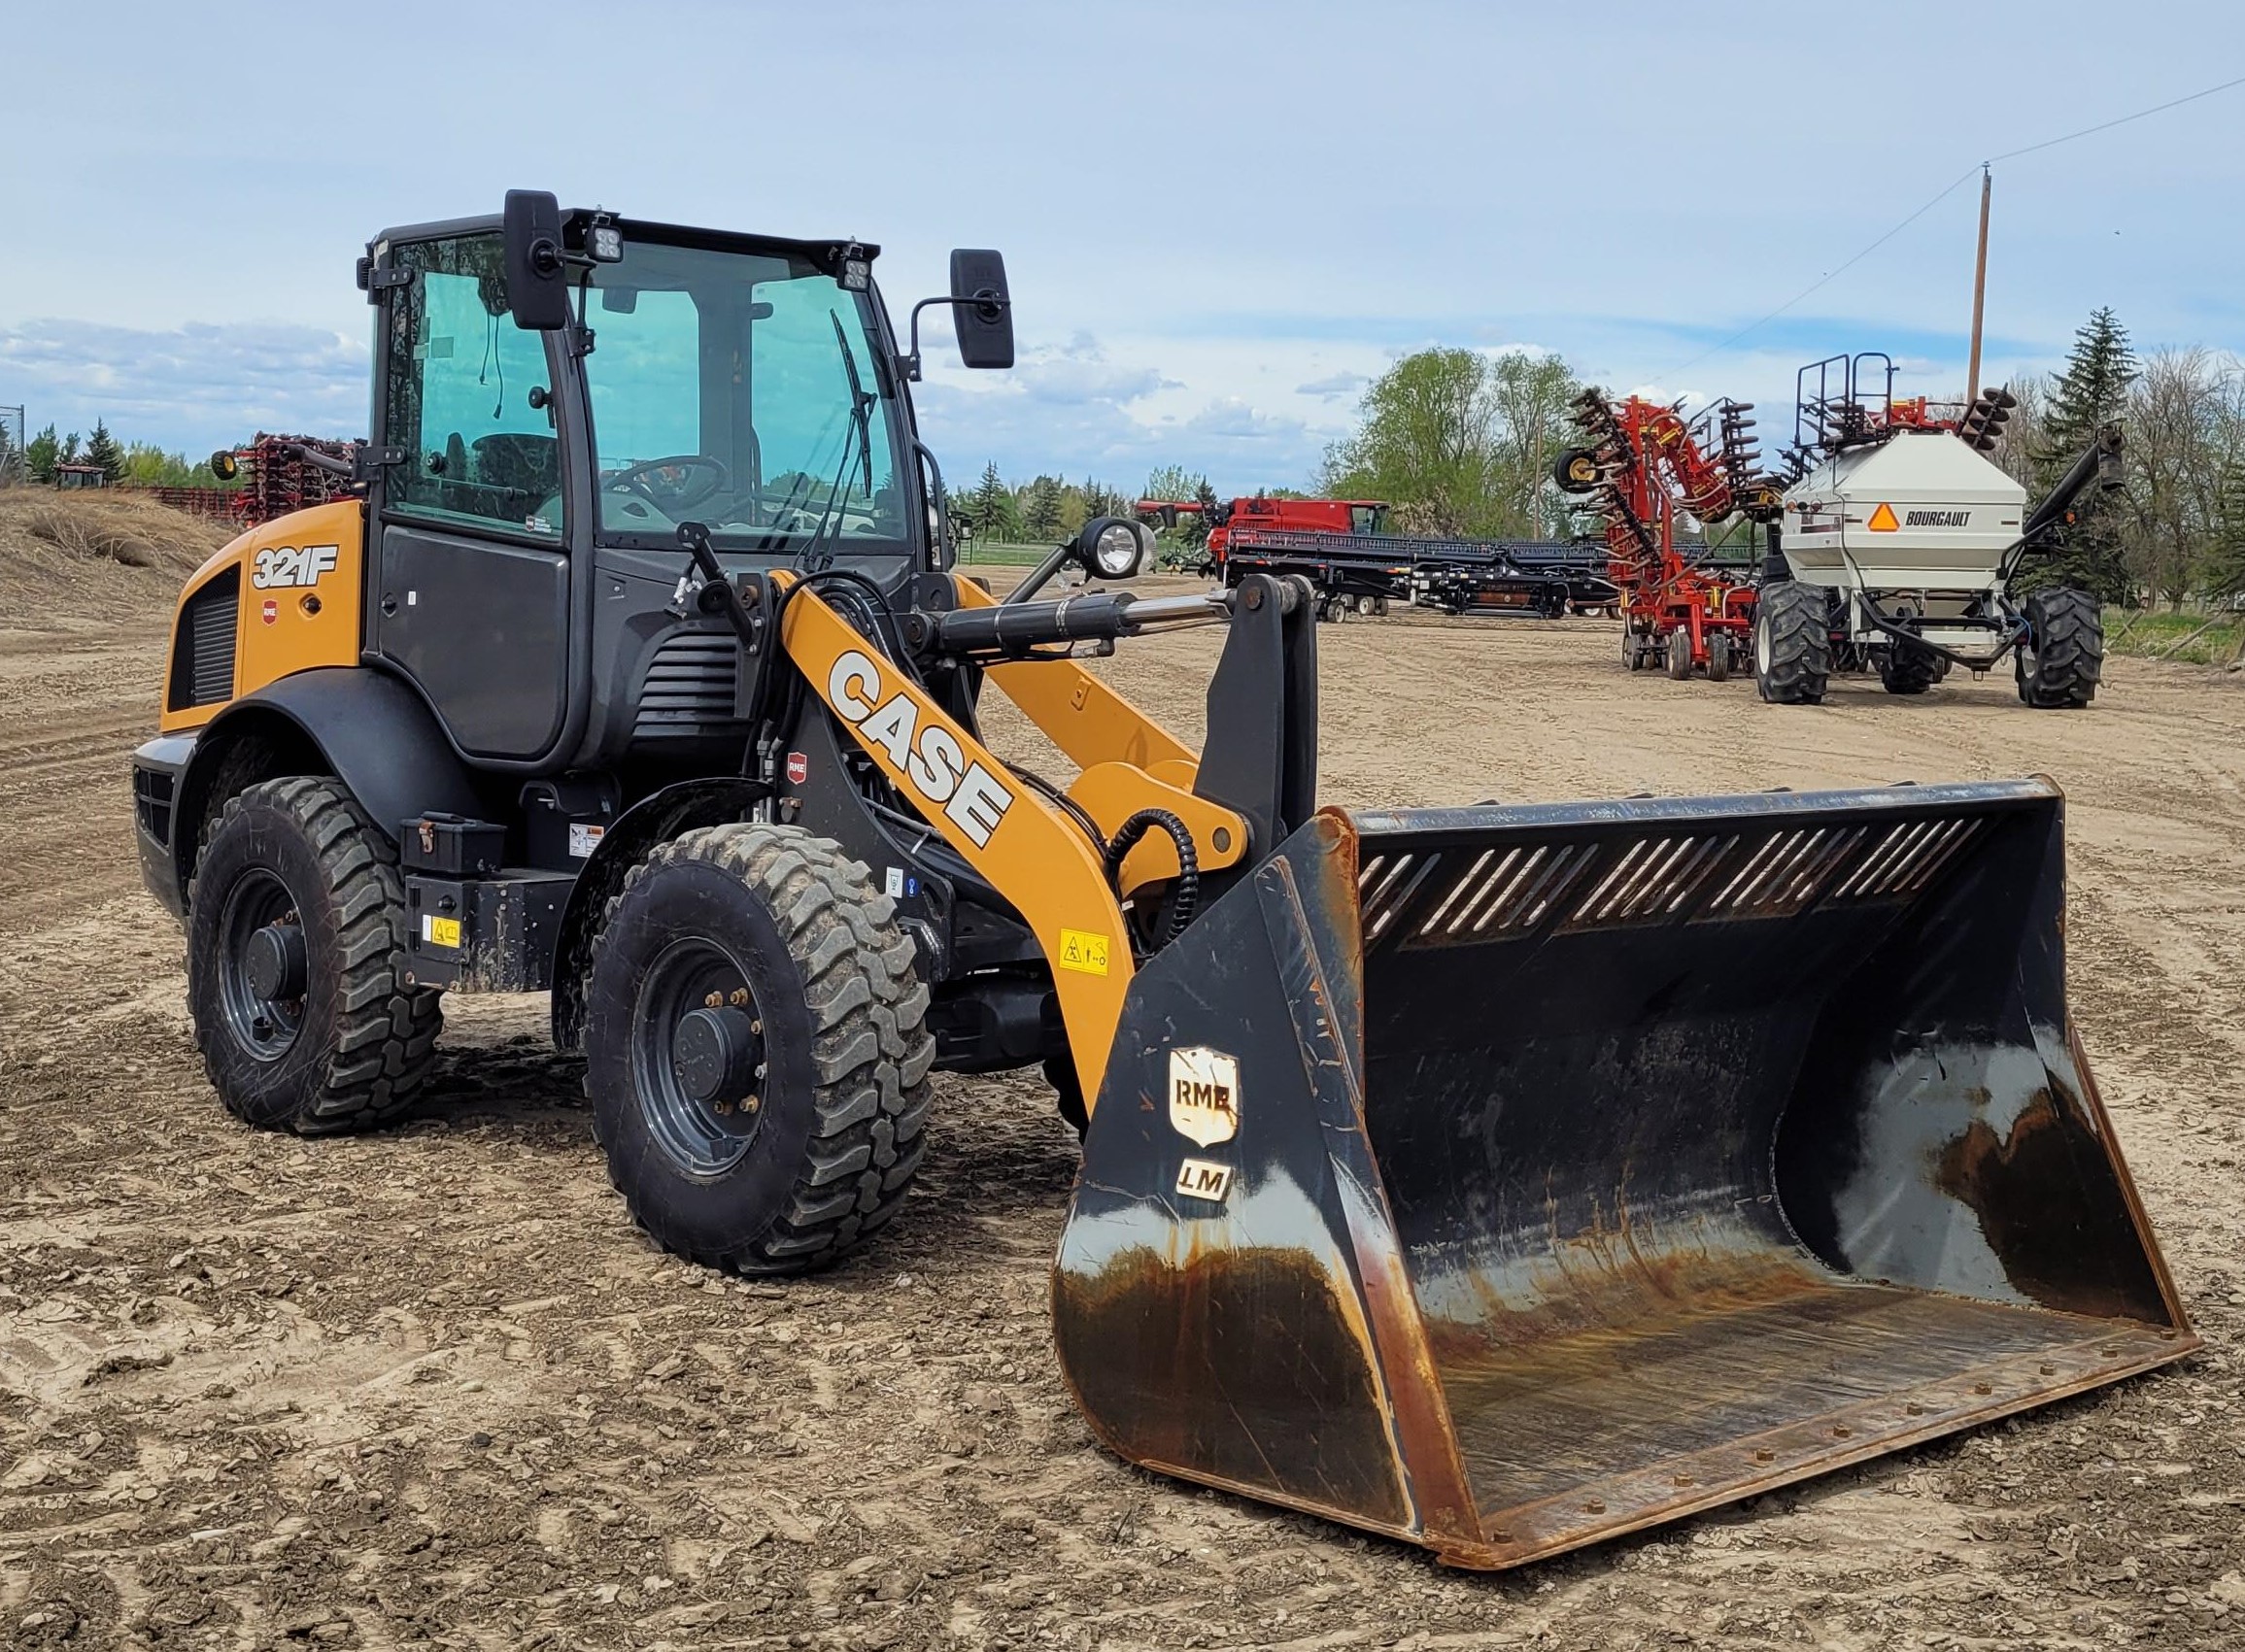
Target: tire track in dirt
x=428, y=1387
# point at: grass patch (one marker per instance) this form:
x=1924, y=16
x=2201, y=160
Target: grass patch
x=2151, y=636
x=990, y=554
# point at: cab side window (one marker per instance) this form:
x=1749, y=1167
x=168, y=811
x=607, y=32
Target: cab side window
x=466, y=396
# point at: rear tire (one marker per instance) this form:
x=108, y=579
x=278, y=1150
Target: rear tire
x=803, y=1135
x=297, y=932
x=1792, y=644
x=1907, y=670
x=2063, y=659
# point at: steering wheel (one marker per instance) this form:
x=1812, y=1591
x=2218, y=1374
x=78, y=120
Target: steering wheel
x=682, y=496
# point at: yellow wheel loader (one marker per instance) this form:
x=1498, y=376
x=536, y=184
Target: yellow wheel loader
x=1498, y=1178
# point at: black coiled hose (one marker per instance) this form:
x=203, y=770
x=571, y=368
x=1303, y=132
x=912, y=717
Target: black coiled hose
x=1187, y=895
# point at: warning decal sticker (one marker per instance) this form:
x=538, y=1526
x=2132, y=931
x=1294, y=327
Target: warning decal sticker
x=1082, y=952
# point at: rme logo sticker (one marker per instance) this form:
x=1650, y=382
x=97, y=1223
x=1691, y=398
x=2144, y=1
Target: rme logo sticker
x=287, y=565
x=1204, y=1095
x=1937, y=518
x=931, y=760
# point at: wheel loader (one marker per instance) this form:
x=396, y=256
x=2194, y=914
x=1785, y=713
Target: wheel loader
x=1498, y=1179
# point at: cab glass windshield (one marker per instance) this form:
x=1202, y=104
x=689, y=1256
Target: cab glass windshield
x=744, y=391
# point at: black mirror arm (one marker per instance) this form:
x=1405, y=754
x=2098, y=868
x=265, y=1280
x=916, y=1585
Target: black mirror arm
x=909, y=365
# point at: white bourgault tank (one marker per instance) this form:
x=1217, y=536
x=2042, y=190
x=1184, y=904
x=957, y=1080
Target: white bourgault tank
x=1920, y=513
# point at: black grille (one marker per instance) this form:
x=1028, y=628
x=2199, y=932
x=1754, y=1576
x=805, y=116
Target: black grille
x=151, y=798
x=689, y=691
x=203, y=649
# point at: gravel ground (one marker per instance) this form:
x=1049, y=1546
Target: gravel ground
x=429, y=1388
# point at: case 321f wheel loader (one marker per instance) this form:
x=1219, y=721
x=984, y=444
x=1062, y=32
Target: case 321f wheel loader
x=1496, y=1178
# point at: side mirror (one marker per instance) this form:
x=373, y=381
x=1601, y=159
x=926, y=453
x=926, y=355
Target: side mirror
x=224, y=466
x=981, y=310
x=1114, y=548
x=537, y=278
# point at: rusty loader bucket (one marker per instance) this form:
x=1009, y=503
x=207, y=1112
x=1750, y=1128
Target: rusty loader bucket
x=1505, y=1178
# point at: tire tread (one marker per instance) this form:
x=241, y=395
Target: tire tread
x=871, y=1051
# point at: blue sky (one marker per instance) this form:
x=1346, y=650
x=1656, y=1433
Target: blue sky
x=1219, y=219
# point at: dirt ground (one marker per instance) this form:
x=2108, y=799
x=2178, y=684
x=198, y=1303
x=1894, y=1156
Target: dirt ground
x=431, y=1388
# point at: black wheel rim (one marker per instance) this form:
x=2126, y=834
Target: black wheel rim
x=703, y=1138
x=266, y=1028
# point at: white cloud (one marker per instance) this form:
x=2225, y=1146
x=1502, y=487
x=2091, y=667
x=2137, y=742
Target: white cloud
x=1334, y=384
x=192, y=386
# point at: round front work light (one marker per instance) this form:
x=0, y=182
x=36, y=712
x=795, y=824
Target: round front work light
x=1114, y=548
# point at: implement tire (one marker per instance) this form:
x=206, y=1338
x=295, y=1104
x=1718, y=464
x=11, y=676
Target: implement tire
x=1908, y=670
x=2063, y=659
x=756, y=1053
x=1792, y=643
x=296, y=964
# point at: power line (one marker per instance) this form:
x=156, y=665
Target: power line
x=2108, y=125
x=1964, y=178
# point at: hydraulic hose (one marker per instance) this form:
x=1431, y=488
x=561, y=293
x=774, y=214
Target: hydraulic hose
x=1187, y=895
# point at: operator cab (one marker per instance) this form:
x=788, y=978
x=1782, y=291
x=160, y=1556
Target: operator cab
x=558, y=393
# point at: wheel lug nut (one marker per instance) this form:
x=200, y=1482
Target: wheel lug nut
x=715, y=1000
x=739, y=999
x=752, y=1104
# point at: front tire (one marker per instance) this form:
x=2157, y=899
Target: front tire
x=2063, y=659
x=756, y=1050
x=1792, y=643
x=296, y=964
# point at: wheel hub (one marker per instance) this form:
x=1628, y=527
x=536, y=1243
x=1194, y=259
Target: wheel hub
x=698, y=1056
x=273, y=959
x=715, y=1054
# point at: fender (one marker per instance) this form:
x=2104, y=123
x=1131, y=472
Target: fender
x=369, y=730
x=654, y=819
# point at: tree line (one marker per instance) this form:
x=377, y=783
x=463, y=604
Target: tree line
x=1052, y=508
x=140, y=464
x=2176, y=531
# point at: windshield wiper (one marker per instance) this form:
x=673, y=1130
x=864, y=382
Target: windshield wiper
x=861, y=403
x=861, y=432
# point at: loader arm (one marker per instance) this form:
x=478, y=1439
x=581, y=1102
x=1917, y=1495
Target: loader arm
x=1025, y=845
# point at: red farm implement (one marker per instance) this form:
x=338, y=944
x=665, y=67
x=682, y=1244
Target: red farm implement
x=1644, y=467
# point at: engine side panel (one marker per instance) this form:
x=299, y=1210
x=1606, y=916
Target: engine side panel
x=299, y=588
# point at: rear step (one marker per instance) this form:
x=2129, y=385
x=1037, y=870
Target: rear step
x=1504, y=1179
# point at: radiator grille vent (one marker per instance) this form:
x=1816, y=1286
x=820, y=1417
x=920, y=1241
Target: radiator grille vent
x=689, y=688
x=203, y=651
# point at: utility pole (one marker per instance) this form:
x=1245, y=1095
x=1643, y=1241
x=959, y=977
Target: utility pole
x=1979, y=293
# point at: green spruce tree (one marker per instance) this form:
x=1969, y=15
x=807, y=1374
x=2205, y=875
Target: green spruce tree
x=102, y=449
x=1040, y=507
x=2225, y=567
x=990, y=507
x=2091, y=393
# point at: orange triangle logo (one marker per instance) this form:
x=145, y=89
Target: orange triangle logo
x=1883, y=520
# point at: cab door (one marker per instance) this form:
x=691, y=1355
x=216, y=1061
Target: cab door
x=470, y=596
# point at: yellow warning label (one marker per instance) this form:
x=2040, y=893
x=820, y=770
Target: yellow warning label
x=440, y=931
x=1082, y=952
x=1883, y=520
